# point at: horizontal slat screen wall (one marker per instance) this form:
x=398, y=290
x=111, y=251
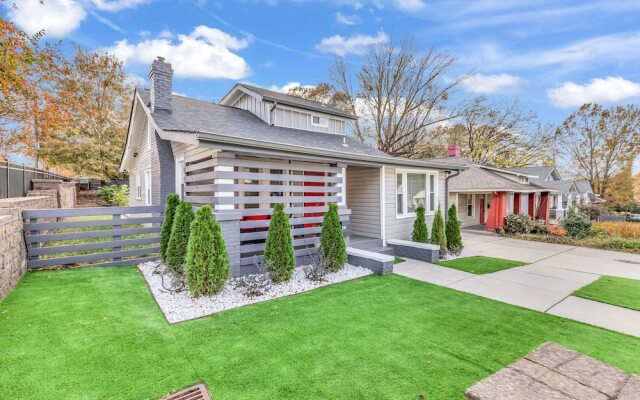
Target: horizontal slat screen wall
x=101, y=236
x=251, y=186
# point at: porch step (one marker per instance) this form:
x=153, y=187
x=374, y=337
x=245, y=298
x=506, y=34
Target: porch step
x=368, y=244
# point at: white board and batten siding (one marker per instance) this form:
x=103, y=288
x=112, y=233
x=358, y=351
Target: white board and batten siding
x=145, y=148
x=363, y=199
x=290, y=117
x=397, y=227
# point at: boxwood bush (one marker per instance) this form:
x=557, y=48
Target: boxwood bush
x=207, y=267
x=177, y=247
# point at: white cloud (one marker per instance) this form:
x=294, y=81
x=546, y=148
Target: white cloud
x=117, y=5
x=409, y=5
x=204, y=53
x=347, y=19
x=288, y=86
x=57, y=17
x=600, y=90
x=487, y=84
x=357, y=44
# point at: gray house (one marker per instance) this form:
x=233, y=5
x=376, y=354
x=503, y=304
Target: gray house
x=259, y=147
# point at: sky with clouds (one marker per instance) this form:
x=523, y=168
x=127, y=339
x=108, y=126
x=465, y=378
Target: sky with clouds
x=551, y=55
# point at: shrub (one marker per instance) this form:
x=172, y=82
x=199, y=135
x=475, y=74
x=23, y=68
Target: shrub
x=454, y=239
x=420, y=232
x=169, y=212
x=278, y=251
x=517, y=223
x=539, y=228
x=576, y=225
x=177, y=247
x=438, y=235
x=556, y=230
x=332, y=245
x=207, y=268
x=114, y=195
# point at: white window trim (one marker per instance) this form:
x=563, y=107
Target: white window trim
x=147, y=188
x=139, y=186
x=473, y=205
x=405, y=187
x=179, y=180
x=321, y=118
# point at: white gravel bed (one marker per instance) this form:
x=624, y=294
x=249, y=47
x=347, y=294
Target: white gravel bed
x=180, y=306
x=451, y=256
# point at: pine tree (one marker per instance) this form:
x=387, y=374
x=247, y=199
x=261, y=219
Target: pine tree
x=454, y=239
x=332, y=243
x=420, y=232
x=207, y=267
x=177, y=248
x=169, y=212
x=278, y=252
x=438, y=235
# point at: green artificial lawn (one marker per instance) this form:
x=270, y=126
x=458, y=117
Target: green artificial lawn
x=612, y=290
x=480, y=264
x=96, y=333
x=398, y=260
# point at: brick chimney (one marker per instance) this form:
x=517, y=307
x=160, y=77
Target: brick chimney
x=453, y=151
x=160, y=79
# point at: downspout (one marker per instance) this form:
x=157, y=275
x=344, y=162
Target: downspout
x=275, y=104
x=446, y=191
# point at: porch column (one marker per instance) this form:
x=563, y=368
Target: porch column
x=516, y=203
x=543, y=212
x=532, y=208
x=497, y=211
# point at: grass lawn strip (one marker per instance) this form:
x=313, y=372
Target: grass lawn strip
x=398, y=260
x=96, y=333
x=621, y=292
x=480, y=264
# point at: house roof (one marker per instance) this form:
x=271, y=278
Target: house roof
x=290, y=100
x=541, y=172
x=481, y=178
x=216, y=122
x=563, y=186
x=583, y=186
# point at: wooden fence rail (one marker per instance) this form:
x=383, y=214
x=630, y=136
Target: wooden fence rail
x=73, y=236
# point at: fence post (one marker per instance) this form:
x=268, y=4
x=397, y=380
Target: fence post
x=24, y=182
x=8, y=173
x=116, y=217
x=36, y=244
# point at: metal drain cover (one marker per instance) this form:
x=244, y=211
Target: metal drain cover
x=629, y=262
x=195, y=392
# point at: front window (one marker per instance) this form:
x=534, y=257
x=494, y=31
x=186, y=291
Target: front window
x=414, y=188
x=139, y=186
x=469, y=205
x=319, y=121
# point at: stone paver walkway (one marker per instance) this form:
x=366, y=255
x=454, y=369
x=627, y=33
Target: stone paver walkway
x=546, y=284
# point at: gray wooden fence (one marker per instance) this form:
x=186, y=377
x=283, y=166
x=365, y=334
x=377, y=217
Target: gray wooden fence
x=15, y=179
x=101, y=236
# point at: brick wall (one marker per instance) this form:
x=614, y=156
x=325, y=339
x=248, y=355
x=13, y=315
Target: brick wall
x=13, y=253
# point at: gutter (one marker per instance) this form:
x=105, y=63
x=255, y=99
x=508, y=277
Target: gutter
x=446, y=189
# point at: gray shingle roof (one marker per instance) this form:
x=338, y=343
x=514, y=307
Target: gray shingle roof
x=478, y=178
x=563, y=186
x=288, y=99
x=197, y=116
x=583, y=186
x=540, y=172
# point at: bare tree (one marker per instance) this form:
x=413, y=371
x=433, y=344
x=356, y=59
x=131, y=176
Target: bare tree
x=400, y=94
x=601, y=141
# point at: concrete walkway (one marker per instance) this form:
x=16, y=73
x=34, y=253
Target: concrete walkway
x=554, y=272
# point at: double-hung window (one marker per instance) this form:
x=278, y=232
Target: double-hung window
x=469, y=205
x=139, y=186
x=415, y=188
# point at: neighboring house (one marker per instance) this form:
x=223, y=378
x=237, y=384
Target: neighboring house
x=571, y=193
x=485, y=195
x=258, y=147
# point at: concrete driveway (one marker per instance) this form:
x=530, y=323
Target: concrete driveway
x=545, y=284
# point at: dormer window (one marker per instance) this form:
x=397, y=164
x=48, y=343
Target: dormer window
x=319, y=121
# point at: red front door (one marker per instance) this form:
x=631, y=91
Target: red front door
x=482, y=211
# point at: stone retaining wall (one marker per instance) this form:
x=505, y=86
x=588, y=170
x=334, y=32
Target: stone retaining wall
x=13, y=253
x=65, y=191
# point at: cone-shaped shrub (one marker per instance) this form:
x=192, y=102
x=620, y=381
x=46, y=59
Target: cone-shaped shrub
x=420, y=232
x=332, y=243
x=454, y=239
x=177, y=248
x=438, y=235
x=207, y=267
x=278, y=252
x=169, y=212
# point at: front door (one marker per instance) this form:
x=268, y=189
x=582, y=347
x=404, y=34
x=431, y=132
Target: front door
x=482, y=210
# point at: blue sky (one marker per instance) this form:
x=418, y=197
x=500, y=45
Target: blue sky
x=551, y=55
